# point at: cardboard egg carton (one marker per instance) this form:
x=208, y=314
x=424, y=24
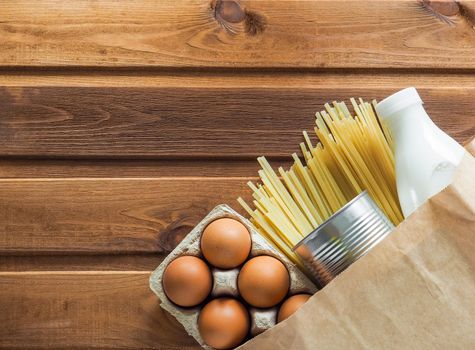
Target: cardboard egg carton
x=225, y=281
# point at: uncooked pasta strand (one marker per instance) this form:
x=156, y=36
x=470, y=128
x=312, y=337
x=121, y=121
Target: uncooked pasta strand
x=353, y=155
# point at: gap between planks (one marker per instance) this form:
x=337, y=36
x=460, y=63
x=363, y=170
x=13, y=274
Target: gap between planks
x=131, y=168
x=235, y=79
x=158, y=178
x=72, y=262
x=73, y=272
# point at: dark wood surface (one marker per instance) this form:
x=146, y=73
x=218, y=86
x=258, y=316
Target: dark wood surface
x=184, y=122
x=107, y=216
x=122, y=123
x=85, y=309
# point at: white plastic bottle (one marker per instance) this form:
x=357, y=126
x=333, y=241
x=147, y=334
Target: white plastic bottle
x=426, y=157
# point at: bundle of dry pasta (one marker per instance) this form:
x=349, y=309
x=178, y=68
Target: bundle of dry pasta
x=353, y=155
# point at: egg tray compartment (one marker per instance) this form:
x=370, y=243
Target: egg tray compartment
x=224, y=284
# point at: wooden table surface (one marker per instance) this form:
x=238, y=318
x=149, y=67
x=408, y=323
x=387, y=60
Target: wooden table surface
x=122, y=123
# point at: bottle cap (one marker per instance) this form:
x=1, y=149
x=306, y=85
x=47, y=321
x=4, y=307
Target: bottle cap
x=400, y=100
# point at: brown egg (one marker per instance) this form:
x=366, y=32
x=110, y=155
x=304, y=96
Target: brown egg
x=223, y=323
x=187, y=281
x=291, y=305
x=263, y=281
x=225, y=243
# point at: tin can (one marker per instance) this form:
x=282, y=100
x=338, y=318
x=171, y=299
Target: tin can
x=345, y=237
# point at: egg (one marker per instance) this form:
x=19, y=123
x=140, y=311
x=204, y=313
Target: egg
x=226, y=243
x=263, y=281
x=187, y=281
x=291, y=305
x=223, y=323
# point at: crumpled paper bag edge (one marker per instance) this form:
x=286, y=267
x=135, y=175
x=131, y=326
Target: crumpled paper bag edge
x=271, y=339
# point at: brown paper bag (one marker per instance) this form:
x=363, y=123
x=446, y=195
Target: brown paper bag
x=415, y=290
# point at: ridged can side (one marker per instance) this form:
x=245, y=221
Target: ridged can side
x=345, y=237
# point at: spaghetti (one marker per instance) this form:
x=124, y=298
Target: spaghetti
x=353, y=155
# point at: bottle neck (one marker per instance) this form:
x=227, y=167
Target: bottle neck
x=411, y=127
x=408, y=120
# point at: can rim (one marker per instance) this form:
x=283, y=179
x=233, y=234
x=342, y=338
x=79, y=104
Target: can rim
x=323, y=224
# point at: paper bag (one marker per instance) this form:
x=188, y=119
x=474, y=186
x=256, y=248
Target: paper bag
x=415, y=290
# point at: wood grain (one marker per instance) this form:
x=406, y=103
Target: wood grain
x=313, y=34
x=64, y=168
x=87, y=262
x=237, y=123
x=54, y=310
x=104, y=216
x=122, y=123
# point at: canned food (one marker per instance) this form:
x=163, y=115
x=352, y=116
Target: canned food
x=344, y=238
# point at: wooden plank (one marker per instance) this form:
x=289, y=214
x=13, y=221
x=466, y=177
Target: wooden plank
x=71, y=262
x=237, y=123
x=52, y=310
x=315, y=34
x=230, y=78
x=64, y=168
x=104, y=216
